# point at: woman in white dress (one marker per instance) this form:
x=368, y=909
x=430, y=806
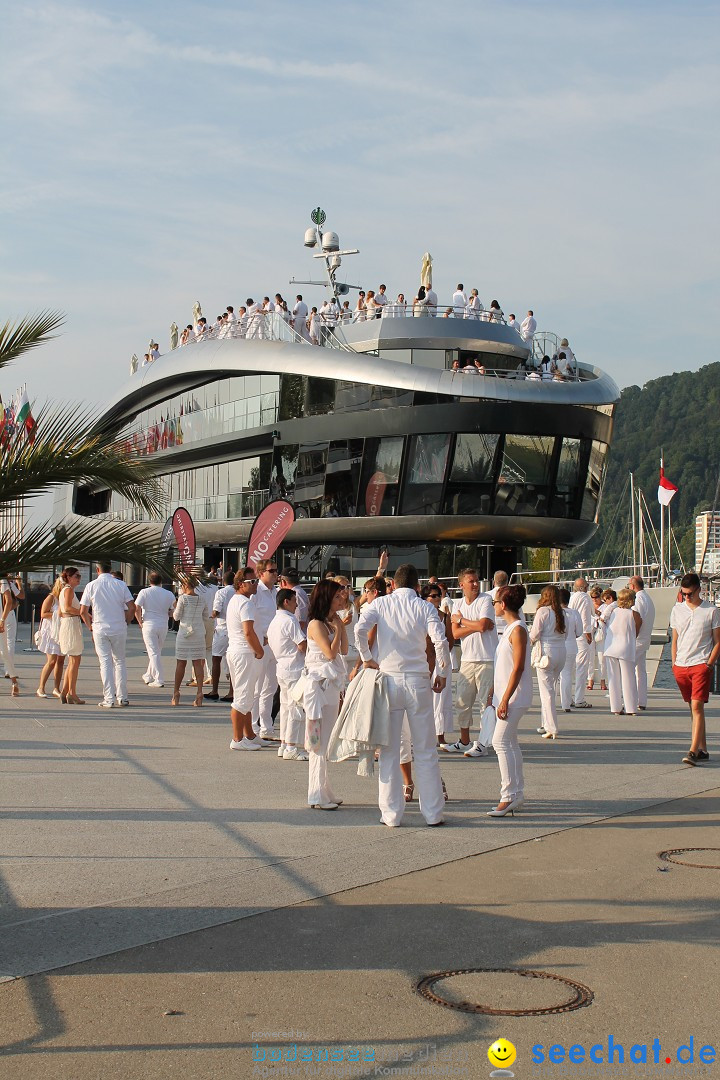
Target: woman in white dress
x=550, y=629
x=47, y=643
x=70, y=637
x=420, y=303
x=622, y=630
x=372, y=309
x=325, y=674
x=598, y=632
x=495, y=312
x=360, y=313
x=190, y=638
x=511, y=696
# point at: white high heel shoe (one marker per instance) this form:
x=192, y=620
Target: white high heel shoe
x=509, y=809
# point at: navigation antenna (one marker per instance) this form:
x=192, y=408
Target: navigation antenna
x=329, y=250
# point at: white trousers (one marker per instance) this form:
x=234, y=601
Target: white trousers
x=267, y=684
x=410, y=694
x=622, y=684
x=582, y=667
x=547, y=684
x=443, y=707
x=566, y=681
x=475, y=678
x=110, y=649
x=292, y=716
x=506, y=746
x=7, y=645
x=641, y=673
x=599, y=663
x=319, y=790
x=154, y=635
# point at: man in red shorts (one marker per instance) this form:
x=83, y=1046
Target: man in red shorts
x=695, y=626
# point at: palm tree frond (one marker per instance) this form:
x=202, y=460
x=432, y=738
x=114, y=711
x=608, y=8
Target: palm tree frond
x=43, y=546
x=27, y=333
x=71, y=448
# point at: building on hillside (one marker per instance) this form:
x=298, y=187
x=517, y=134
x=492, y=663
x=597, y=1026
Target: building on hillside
x=707, y=533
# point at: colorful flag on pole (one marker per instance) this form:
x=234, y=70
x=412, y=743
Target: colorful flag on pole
x=666, y=490
x=24, y=415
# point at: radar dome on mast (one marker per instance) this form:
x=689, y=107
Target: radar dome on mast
x=330, y=241
x=310, y=238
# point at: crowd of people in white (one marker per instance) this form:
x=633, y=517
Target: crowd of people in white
x=367, y=673
x=254, y=319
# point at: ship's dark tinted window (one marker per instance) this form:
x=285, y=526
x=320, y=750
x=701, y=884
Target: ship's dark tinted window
x=427, y=458
x=282, y=478
x=319, y=396
x=379, y=482
x=423, y=397
x=342, y=476
x=87, y=502
x=470, y=484
x=391, y=396
x=524, y=479
x=292, y=397
x=350, y=396
x=596, y=468
x=566, y=490
x=310, y=479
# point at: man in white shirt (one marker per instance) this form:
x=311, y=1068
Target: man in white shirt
x=528, y=328
x=431, y=301
x=581, y=602
x=243, y=656
x=288, y=644
x=403, y=623
x=153, y=608
x=459, y=302
x=106, y=608
x=299, y=318
x=381, y=299
x=265, y=608
x=473, y=625
x=290, y=579
x=646, y=610
x=231, y=321
x=513, y=323
x=255, y=319
x=219, y=647
x=242, y=323
x=695, y=626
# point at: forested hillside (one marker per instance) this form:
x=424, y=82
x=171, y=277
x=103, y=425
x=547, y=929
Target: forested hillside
x=679, y=413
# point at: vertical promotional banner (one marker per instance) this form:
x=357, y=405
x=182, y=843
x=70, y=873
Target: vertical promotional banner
x=166, y=538
x=375, y=494
x=269, y=530
x=184, y=530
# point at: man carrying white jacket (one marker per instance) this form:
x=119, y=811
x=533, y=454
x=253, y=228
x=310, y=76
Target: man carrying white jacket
x=403, y=623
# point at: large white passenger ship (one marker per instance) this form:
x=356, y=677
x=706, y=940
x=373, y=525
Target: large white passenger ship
x=373, y=437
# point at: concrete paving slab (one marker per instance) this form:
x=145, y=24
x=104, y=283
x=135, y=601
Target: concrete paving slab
x=128, y=826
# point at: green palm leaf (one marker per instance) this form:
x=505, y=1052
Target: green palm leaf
x=28, y=333
x=43, y=546
x=71, y=448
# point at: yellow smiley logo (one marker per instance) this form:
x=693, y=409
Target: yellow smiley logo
x=501, y=1053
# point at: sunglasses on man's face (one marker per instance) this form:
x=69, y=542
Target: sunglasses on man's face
x=434, y=596
x=691, y=593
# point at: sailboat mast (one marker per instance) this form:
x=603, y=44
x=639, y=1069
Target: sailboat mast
x=634, y=529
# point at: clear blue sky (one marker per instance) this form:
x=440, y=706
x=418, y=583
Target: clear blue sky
x=560, y=156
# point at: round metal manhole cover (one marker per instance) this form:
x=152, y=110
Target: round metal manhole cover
x=541, y=993
x=671, y=857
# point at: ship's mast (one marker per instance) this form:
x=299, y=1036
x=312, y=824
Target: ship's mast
x=329, y=250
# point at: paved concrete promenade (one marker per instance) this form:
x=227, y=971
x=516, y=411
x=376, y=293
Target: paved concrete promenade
x=148, y=869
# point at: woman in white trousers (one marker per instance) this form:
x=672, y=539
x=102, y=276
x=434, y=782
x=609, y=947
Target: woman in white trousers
x=550, y=629
x=566, y=682
x=326, y=678
x=512, y=697
x=622, y=630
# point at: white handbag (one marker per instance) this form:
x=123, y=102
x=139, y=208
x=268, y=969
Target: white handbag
x=538, y=659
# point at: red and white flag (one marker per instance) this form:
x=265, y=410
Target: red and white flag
x=666, y=490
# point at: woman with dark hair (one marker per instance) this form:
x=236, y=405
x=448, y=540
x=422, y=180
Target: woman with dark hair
x=420, y=302
x=190, y=639
x=48, y=644
x=550, y=629
x=70, y=636
x=442, y=702
x=512, y=696
x=325, y=673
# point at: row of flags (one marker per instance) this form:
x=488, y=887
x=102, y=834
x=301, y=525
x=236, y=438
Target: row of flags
x=166, y=433
x=16, y=416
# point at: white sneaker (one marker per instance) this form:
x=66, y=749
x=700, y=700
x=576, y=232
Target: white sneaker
x=294, y=753
x=107, y=705
x=244, y=744
x=236, y=744
x=156, y=685
x=281, y=749
x=146, y=679
x=253, y=744
x=456, y=747
x=268, y=735
x=476, y=750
